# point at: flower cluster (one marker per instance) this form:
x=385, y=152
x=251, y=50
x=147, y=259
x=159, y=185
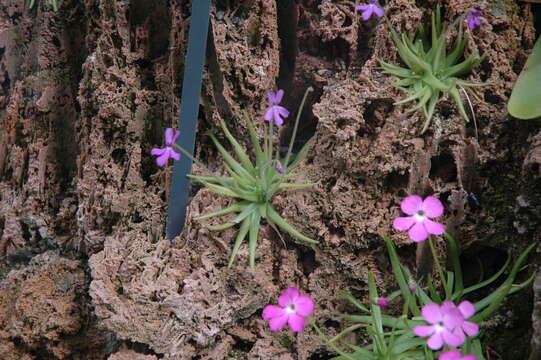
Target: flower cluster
x=448, y=324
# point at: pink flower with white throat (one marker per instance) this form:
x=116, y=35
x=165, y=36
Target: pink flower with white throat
x=293, y=309
x=448, y=324
x=419, y=223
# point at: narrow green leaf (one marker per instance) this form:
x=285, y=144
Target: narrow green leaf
x=457, y=296
x=353, y=300
x=301, y=155
x=230, y=160
x=239, y=150
x=246, y=211
x=233, y=208
x=295, y=186
x=499, y=295
x=224, y=226
x=255, y=219
x=238, y=241
x=273, y=216
x=375, y=310
x=457, y=268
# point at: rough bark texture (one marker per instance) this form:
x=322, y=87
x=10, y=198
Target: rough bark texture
x=86, y=92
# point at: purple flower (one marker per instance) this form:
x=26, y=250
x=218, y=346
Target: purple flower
x=167, y=152
x=413, y=287
x=448, y=324
x=473, y=19
x=455, y=355
x=280, y=169
x=293, y=309
x=370, y=9
x=276, y=112
x=419, y=223
x=382, y=302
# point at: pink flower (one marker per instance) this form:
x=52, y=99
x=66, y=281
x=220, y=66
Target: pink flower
x=473, y=19
x=293, y=309
x=167, y=152
x=382, y=302
x=276, y=112
x=280, y=169
x=369, y=10
x=455, y=355
x=448, y=324
x=419, y=223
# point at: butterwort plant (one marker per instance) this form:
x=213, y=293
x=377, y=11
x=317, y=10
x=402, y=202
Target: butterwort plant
x=252, y=183
x=431, y=71
x=434, y=323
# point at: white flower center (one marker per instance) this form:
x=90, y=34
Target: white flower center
x=420, y=216
x=439, y=328
x=290, y=309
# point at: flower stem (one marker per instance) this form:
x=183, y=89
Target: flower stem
x=271, y=122
x=187, y=153
x=439, y=268
x=294, y=134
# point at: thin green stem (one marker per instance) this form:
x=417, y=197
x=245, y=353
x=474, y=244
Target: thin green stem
x=190, y=156
x=271, y=123
x=294, y=134
x=439, y=268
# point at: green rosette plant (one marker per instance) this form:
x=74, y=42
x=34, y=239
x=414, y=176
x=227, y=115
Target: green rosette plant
x=252, y=184
x=431, y=71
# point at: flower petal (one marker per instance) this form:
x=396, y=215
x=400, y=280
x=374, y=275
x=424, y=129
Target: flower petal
x=452, y=318
x=278, y=323
x=269, y=114
x=424, y=330
x=367, y=14
x=296, y=322
x=288, y=296
x=169, y=136
x=418, y=232
x=304, y=305
x=161, y=160
x=450, y=355
x=434, y=228
x=273, y=311
x=435, y=342
x=175, y=136
x=411, y=204
x=453, y=338
x=277, y=119
x=403, y=223
x=175, y=155
x=279, y=96
x=157, y=151
x=361, y=7
x=470, y=328
x=272, y=97
x=282, y=111
x=432, y=207
x=432, y=313
x=468, y=357
x=378, y=11
x=466, y=308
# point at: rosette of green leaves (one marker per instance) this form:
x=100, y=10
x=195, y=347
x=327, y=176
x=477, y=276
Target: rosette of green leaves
x=253, y=185
x=392, y=336
x=52, y=2
x=431, y=71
